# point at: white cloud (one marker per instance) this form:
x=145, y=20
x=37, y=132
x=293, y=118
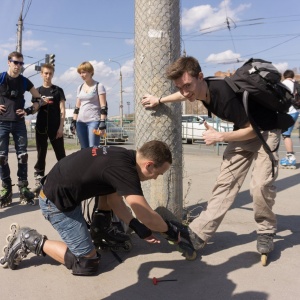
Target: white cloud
x=282, y=66
x=86, y=44
x=223, y=57
x=207, y=18
x=129, y=41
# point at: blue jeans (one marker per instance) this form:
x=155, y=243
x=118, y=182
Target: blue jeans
x=85, y=134
x=295, y=117
x=70, y=225
x=19, y=133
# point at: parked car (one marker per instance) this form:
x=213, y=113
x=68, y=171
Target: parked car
x=67, y=130
x=32, y=124
x=193, y=126
x=114, y=133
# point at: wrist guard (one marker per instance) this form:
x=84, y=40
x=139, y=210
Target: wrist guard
x=140, y=229
x=102, y=125
x=73, y=126
x=36, y=100
x=172, y=234
x=29, y=110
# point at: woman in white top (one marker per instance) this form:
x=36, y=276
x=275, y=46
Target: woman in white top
x=91, y=108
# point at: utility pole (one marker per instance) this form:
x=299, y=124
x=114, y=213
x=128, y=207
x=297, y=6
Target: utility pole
x=19, y=31
x=157, y=44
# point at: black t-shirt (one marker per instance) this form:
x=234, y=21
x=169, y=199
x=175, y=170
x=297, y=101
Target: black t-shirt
x=90, y=172
x=48, y=117
x=228, y=106
x=15, y=89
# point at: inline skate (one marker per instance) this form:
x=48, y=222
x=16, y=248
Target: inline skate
x=26, y=196
x=288, y=162
x=189, y=242
x=265, y=245
x=107, y=236
x=20, y=243
x=38, y=185
x=5, y=195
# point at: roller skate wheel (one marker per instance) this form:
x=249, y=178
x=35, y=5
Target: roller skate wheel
x=193, y=256
x=4, y=249
x=14, y=227
x=263, y=259
x=8, y=237
x=3, y=265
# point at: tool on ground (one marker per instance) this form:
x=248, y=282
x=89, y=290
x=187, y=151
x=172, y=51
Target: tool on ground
x=156, y=280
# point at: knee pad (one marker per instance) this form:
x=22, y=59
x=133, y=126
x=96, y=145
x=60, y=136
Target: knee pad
x=81, y=266
x=3, y=160
x=286, y=136
x=23, y=158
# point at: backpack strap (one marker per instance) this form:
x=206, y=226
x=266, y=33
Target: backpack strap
x=234, y=87
x=97, y=88
x=2, y=77
x=258, y=133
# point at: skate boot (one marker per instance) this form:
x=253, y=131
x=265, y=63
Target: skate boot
x=21, y=242
x=288, y=162
x=5, y=195
x=265, y=245
x=38, y=185
x=107, y=236
x=26, y=196
x=189, y=241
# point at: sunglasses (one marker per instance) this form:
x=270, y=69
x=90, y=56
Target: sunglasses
x=16, y=62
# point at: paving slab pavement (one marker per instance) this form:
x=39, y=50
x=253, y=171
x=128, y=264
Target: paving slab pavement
x=229, y=267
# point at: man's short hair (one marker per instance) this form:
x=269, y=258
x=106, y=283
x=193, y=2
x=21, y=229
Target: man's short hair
x=47, y=66
x=15, y=54
x=157, y=151
x=183, y=64
x=288, y=74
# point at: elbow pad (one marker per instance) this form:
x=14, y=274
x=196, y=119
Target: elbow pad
x=103, y=110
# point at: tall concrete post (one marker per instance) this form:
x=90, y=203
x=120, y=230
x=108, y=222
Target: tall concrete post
x=19, y=33
x=157, y=44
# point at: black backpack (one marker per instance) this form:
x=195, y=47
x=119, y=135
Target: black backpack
x=296, y=99
x=261, y=80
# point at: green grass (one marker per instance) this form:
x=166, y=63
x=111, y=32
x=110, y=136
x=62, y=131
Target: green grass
x=68, y=146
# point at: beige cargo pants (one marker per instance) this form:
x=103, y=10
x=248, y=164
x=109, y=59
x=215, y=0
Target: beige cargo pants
x=237, y=160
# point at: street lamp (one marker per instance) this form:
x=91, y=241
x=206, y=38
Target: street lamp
x=128, y=103
x=121, y=93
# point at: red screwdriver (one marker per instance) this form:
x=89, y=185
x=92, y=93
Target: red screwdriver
x=156, y=281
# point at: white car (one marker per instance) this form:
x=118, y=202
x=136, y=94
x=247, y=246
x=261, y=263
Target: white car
x=193, y=126
x=67, y=130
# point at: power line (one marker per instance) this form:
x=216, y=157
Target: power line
x=79, y=29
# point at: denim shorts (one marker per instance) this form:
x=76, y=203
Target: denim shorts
x=295, y=117
x=70, y=225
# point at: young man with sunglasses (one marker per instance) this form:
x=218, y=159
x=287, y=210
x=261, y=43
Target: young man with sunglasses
x=12, y=88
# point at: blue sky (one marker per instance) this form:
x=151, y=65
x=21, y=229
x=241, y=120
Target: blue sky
x=99, y=30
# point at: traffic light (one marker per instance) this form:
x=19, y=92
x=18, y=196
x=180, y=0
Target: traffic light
x=52, y=59
x=47, y=58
